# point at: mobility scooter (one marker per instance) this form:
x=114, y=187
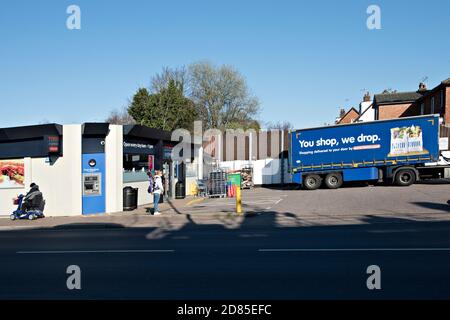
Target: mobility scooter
x=33, y=211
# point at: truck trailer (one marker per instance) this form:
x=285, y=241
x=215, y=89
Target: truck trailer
x=401, y=151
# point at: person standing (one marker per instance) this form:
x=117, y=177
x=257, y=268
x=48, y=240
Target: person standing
x=158, y=189
x=150, y=182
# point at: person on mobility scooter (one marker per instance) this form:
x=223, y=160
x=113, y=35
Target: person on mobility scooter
x=31, y=206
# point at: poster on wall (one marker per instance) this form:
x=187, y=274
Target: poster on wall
x=12, y=174
x=151, y=162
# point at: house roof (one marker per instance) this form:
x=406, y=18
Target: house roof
x=347, y=113
x=446, y=82
x=398, y=97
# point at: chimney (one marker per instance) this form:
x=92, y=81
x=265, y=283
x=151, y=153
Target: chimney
x=422, y=87
x=367, y=97
x=342, y=113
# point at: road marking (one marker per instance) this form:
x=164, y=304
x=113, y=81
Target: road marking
x=94, y=251
x=274, y=204
x=195, y=201
x=352, y=249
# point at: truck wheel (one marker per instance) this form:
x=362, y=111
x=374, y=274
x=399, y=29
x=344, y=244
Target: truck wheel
x=405, y=177
x=312, y=181
x=333, y=180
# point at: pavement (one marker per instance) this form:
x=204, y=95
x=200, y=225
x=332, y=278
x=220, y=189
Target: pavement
x=289, y=244
x=290, y=207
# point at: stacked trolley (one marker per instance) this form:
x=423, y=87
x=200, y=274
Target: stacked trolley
x=217, y=184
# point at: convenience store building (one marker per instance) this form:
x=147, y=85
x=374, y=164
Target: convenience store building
x=83, y=168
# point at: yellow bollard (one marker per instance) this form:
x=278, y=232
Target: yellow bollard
x=238, y=200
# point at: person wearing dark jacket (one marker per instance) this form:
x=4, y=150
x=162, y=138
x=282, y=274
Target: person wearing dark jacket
x=32, y=198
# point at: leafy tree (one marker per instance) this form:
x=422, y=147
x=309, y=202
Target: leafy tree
x=167, y=110
x=219, y=96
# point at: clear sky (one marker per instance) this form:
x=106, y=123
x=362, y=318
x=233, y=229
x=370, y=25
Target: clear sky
x=303, y=59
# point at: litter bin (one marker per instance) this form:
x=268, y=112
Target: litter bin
x=180, y=191
x=130, y=198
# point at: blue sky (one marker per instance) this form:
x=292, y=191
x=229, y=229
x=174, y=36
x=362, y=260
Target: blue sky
x=303, y=59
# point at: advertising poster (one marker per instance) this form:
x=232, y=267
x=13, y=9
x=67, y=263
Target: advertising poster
x=12, y=174
x=373, y=141
x=151, y=162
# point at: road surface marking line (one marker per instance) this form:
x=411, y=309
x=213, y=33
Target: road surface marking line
x=94, y=251
x=354, y=249
x=277, y=202
x=195, y=201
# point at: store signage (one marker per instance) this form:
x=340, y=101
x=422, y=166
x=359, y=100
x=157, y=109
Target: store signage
x=137, y=145
x=52, y=144
x=151, y=162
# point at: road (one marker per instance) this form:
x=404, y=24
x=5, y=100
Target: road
x=260, y=256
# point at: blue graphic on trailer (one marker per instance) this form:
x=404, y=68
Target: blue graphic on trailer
x=404, y=140
x=93, y=177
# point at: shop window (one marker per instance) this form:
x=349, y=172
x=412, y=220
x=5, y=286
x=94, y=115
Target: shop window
x=135, y=167
x=191, y=170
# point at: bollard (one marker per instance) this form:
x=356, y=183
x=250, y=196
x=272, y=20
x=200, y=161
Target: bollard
x=238, y=200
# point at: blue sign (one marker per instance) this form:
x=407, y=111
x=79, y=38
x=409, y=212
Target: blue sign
x=410, y=140
x=93, y=179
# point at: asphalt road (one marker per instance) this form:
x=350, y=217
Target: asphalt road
x=259, y=258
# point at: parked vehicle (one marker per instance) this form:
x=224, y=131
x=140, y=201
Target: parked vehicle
x=401, y=151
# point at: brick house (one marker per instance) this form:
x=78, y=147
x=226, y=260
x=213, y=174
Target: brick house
x=395, y=105
x=436, y=101
x=347, y=117
x=422, y=101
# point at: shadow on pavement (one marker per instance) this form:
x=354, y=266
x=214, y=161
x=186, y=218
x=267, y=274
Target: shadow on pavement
x=434, y=205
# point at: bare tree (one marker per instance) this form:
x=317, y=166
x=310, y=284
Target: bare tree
x=221, y=96
x=120, y=117
x=279, y=125
x=160, y=81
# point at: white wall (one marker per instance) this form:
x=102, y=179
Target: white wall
x=143, y=196
x=60, y=182
x=367, y=110
x=114, y=169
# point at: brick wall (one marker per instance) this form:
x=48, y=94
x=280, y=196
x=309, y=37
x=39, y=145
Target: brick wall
x=427, y=103
x=349, y=117
x=394, y=111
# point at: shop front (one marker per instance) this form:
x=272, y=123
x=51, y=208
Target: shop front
x=147, y=149
x=82, y=169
